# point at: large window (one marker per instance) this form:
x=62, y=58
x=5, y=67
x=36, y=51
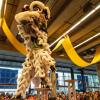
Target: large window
x=8, y=76
x=61, y=77
x=78, y=83
x=67, y=76
x=93, y=82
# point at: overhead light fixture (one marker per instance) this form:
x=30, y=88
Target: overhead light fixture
x=77, y=24
x=1, y=2
x=87, y=40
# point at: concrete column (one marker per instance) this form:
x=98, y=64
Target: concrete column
x=98, y=71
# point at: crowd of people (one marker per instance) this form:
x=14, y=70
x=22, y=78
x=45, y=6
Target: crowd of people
x=80, y=96
x=60, y=96
x=5, y=96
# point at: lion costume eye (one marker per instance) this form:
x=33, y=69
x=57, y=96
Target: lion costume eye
x=26, y=7
x=36, y=8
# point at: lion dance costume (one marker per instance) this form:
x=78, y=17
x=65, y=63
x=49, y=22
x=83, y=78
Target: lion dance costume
x=32, y=26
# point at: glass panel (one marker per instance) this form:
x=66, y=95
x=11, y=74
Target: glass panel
x=61, y=83
x=60, y=74
x=67, y=76
x=78, y=83
x=60, y=78
x=8, y=76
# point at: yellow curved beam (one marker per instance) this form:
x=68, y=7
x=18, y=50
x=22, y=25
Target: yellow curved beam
x=66, y=43
x=19, y=46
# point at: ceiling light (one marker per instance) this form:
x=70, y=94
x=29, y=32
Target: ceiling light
x=1, y=2
x=87, y=40
x=77, y=24
x=62, y=55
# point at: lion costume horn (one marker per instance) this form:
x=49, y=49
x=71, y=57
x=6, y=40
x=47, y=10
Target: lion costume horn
x=37, y=5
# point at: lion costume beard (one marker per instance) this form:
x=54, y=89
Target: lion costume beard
x=32, y=28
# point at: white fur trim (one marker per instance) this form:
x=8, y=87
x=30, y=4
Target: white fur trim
x=38, y=3
x=25, y=15
x=48, y=11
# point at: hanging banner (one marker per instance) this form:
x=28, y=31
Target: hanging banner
x=19, y=46
x=76, y=59
x=58, y=44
